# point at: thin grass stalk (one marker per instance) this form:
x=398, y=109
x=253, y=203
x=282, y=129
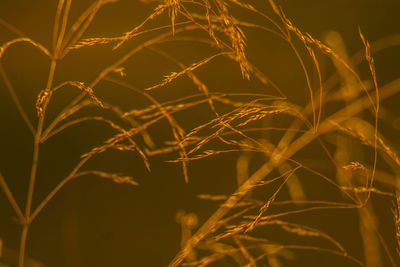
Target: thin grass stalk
x=15, y=98
x=33, y=173
x=11, y=198
x=306, y=138
x=38, y=134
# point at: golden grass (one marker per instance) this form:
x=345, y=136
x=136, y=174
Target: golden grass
x=231, y=231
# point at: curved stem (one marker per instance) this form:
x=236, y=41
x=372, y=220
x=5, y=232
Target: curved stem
x=212, y=223
x=58, y=188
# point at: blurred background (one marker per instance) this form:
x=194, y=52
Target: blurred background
x=95, y=222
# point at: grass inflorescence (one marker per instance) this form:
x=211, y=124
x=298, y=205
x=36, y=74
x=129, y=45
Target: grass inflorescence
x=341, y=115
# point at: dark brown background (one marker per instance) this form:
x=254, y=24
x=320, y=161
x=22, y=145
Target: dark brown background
x=94, y=222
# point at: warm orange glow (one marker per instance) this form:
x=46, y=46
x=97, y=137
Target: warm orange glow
x=199, y=133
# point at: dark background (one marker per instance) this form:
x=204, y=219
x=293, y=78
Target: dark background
x=95, y=222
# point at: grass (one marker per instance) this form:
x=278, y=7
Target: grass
x=266, y=129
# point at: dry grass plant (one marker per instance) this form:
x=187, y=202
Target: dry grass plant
x=230, y=230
